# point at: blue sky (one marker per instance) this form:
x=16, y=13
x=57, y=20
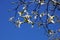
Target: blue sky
x=9, y=31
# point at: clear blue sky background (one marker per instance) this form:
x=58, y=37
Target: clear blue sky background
x=9, y=31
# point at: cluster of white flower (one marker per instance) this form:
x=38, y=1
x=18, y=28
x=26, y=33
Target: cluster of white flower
x=27, y=17
x=32, y=15
x=28, y=20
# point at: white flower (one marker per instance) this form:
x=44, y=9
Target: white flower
x=20, y=13
x=50, y=19
x=18, y=23
x=11, y=19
